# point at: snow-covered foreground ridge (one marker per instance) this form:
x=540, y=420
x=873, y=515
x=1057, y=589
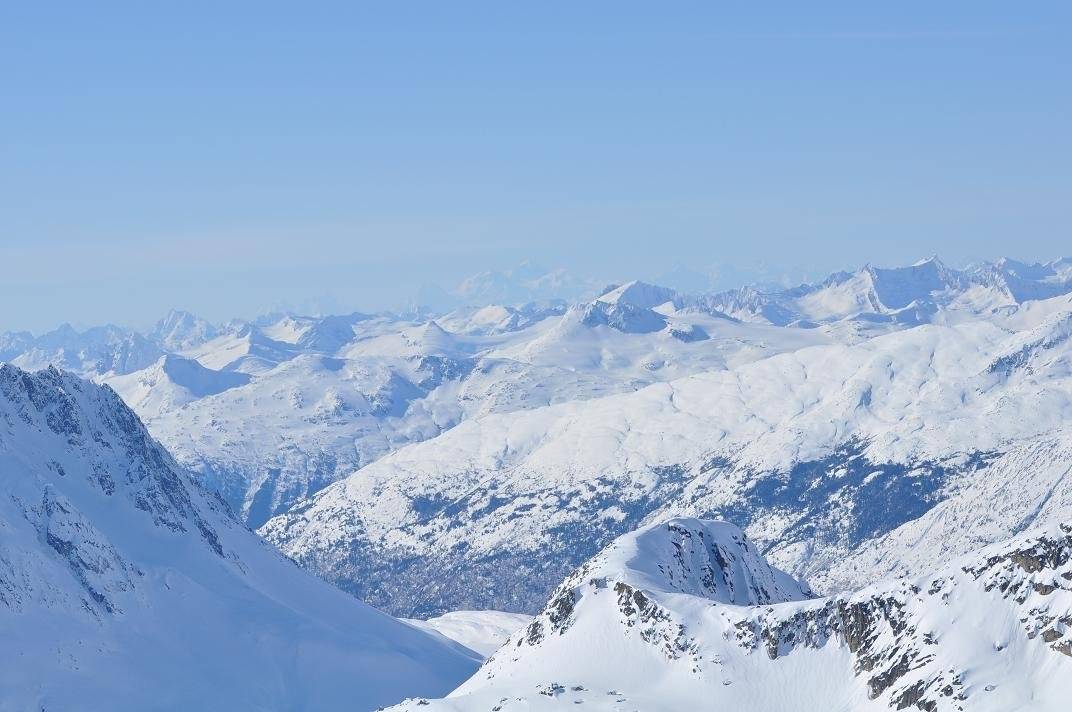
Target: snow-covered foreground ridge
x=686, y=615
x=845, y=462
x=124, y=585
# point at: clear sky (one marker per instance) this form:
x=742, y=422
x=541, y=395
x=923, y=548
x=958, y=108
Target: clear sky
x=226, y=157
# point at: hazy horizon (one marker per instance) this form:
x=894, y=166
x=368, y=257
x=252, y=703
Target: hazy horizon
x=688, y=280
x=256, y=156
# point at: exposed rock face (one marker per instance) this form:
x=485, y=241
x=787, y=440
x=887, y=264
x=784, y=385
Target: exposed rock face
x=886, y=630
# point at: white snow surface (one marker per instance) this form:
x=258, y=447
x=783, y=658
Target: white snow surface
x=126, y=586
x=481, y=631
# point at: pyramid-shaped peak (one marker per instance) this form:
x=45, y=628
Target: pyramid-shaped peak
x=638, y=294
x=431, y=338
x=933, y=260
x=712, y=559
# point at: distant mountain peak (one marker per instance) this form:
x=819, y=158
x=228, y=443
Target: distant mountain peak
x=932, y=260
x=522, y=284
x=431, y=339
x=638, y=294
x=179, y=330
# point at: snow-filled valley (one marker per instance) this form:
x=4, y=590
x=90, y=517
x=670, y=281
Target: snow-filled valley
x=532, y=452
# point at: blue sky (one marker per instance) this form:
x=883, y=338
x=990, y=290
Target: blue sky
x=227, y=159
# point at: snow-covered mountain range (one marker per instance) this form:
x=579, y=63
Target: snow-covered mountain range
x=833, y=421
x=906, y=295
x=686, y=614
x=125, y=585
x=284, y=405
x=455, y=465
x=946, y=435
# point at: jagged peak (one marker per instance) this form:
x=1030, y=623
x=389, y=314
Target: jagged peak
x=177, y=316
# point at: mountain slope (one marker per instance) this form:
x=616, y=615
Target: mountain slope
x=123, y=583
x=171, y=383
x=247, y=350
x=626, y=631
